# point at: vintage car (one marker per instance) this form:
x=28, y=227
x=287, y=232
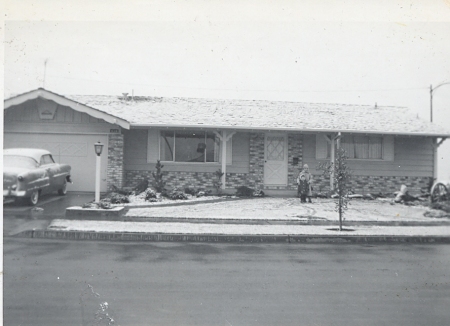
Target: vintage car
x=29, y=172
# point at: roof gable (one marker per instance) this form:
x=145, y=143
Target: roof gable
x=64, y=101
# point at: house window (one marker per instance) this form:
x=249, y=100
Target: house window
x=359, y=147
x=189, y=146
x=363, y=147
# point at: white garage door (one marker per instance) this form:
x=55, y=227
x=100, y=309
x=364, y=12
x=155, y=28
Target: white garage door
x=73, y=149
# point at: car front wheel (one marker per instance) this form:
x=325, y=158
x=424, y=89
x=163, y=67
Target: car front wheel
x=34, y=198
x=63, y=190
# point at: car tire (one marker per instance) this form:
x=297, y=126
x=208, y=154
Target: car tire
x=63, y=190
x=34, y=198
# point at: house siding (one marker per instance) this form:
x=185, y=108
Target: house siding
x=412, y=165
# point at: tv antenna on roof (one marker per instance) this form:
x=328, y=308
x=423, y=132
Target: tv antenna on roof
x=45, y=72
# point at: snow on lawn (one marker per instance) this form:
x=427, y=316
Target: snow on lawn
x=270, y=208
x=237, y=229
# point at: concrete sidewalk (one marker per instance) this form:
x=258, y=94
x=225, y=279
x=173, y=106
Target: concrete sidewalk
x=255, y=220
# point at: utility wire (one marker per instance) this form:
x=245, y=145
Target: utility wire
x=242, y=90
x=253, y=90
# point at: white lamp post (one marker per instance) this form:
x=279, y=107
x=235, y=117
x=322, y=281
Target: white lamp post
x=98, y=150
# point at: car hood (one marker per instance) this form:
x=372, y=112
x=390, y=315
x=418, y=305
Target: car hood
x=11, y=171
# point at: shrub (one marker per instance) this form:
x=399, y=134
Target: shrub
x=141, y=187
x=176, y=194
x=158, y=181
x=118, y=199
x=150, y=194
x=203, y=193
x=244, y=191
x=191, y=191
x=258, y=193
x=115, y=198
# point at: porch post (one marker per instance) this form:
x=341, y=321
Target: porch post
x=436, y=145
x=332, y=155
x=224, y=158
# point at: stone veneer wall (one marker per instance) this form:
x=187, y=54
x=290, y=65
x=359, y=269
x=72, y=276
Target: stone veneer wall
x=376, y=184
x=295, y=149
x=256, y=166
x=187, y=179
x=115, y=160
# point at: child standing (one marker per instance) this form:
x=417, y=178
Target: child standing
x=304, y=187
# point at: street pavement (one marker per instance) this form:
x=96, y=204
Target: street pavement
x=259, y=219
x=59, y=282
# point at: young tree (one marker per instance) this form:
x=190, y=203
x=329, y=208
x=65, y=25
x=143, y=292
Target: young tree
x=341, y=173
x=217, y=182
x=158, y=181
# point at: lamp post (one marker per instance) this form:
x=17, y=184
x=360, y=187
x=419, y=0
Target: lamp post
x=432, y=89
x=98, y=150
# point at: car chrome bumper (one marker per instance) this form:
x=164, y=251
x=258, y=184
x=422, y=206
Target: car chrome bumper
x=13, y=193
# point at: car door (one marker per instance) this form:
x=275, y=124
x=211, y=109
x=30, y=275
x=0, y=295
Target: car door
x=53, y=172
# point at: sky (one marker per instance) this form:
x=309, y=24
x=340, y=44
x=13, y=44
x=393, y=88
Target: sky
x=384, y=52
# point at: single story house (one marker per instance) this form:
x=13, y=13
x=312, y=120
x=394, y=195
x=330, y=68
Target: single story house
x=259, y=144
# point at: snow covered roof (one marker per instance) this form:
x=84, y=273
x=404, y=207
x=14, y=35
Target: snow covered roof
x=258, y=114
x=148, y=111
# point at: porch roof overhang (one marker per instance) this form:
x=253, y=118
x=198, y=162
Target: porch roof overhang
x=61, y=100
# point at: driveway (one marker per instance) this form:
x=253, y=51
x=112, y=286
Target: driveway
x=22, y=217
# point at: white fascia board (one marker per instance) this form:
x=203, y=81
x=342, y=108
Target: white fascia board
x=61, y=100
x=344, y=131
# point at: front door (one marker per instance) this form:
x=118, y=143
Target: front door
x=275, y=159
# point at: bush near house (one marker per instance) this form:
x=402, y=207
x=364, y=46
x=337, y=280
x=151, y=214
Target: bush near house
x=244, y=191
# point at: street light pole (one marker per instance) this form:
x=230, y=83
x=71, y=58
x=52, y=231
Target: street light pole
x=431, y=97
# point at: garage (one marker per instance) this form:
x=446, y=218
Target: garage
x=69, y=130
x=77, y=150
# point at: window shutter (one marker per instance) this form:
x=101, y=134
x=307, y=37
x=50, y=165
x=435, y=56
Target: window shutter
x=152, y=146
x=321, y=147
x=388, y=148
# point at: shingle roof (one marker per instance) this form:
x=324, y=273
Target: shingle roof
x=258, y=114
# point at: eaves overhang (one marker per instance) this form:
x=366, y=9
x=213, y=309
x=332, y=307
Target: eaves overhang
x=61, y=100
x=287, y=129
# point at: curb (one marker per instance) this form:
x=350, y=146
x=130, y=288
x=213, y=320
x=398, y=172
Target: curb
x=120, y=216
x=155, y=237
x=279, y=222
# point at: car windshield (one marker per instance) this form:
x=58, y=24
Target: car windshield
x=19, y=161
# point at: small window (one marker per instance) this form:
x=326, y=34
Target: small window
x=358, y=147
x=363, y=147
